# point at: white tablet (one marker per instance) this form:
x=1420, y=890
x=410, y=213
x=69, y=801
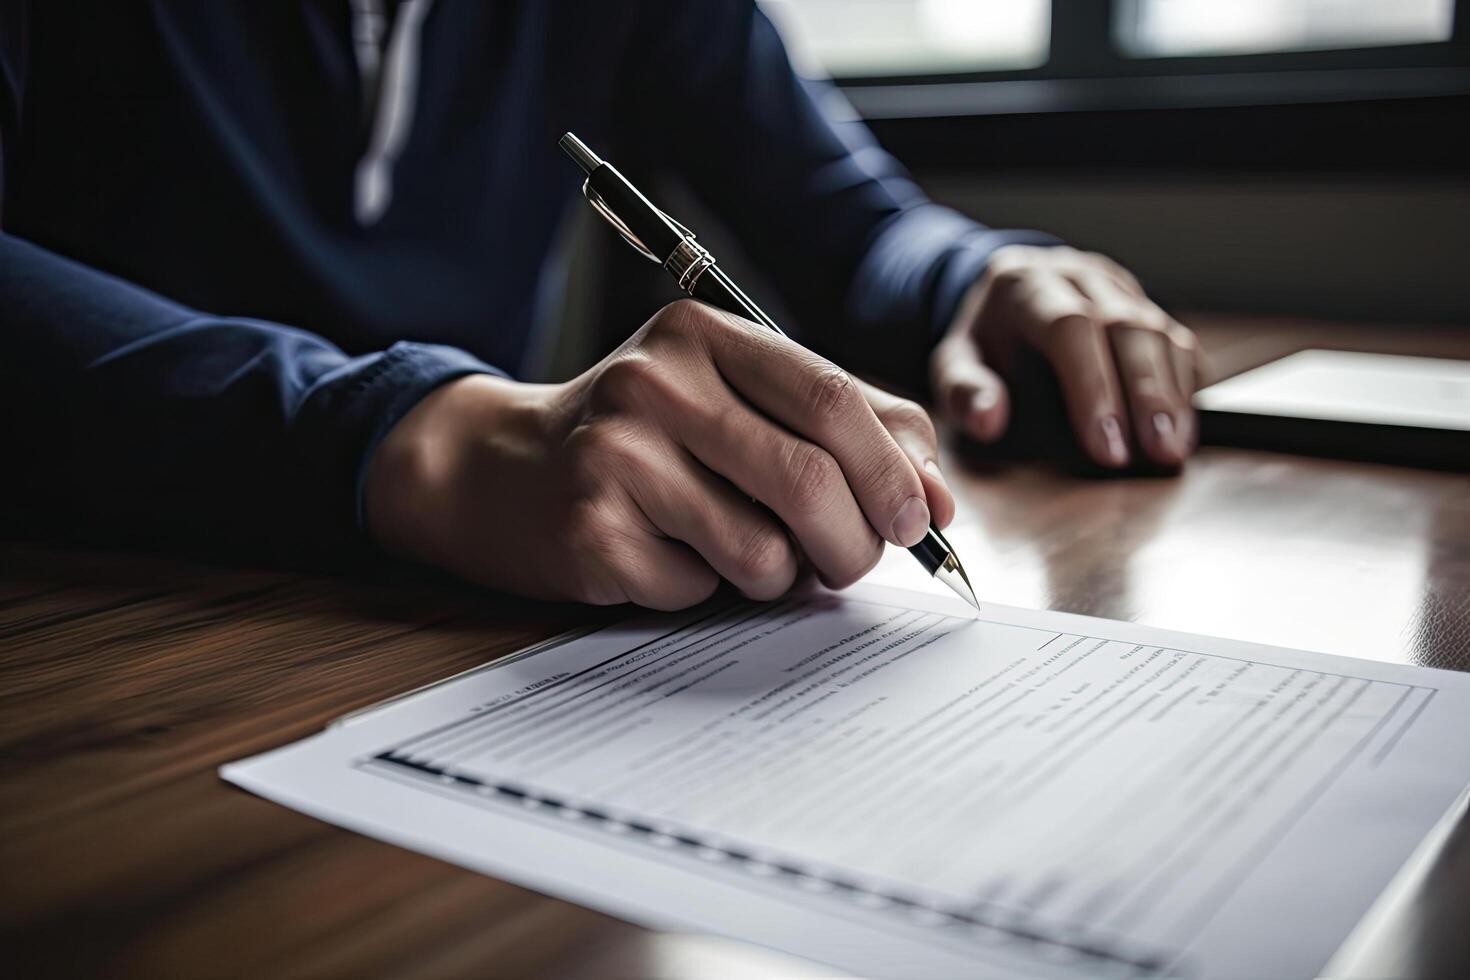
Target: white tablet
x=1380, y=406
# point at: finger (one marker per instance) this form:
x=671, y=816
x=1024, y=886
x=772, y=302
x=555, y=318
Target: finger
x=1125, y=280
x=665, y=575
x=1058, y=320
x=1136, y=330
x=821, y=402
x=798, y=480
x=1185, y=357
x=628, y=561
x=1147, y=373
x=739, y=540
x=913, y=430
x=970, y=393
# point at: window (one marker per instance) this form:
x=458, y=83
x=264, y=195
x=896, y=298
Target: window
x=908, y=37
x=911, y=42
x=1172, y=28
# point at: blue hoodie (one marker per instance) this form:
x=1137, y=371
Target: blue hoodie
x=242, y=239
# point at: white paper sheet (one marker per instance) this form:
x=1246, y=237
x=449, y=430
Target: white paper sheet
x=881, y=782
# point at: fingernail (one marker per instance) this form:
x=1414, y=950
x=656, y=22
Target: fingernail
x=1164, y=426
x=912, y=522
x=932, y=468
x=1114, y=451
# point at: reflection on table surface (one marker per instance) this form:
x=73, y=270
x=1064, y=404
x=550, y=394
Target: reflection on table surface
x=1351, y=559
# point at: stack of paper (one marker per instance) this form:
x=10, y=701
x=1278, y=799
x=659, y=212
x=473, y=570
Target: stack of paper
x=879, y=781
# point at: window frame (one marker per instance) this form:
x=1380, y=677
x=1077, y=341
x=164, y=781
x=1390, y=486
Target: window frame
x=1086, y=71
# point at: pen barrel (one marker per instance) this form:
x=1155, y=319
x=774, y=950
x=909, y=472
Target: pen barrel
x=932, y=552
x=718, y=289
x=659, y=235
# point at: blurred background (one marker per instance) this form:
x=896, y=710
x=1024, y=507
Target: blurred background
x=1281, y=157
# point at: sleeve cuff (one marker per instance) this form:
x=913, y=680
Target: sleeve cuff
x=349, y=411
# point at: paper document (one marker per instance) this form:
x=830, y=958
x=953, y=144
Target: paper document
x=879, y=781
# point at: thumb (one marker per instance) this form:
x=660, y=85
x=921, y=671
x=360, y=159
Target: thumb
x=968, y=392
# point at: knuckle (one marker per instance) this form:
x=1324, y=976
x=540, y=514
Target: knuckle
x=812, y=479
x=1156, y=320
x=638, y=383
x=1108, y=266
x=1182, y=337
x=604, y=451
x=600, y=439
x=1144, y=318
x=1014, y=256
x=625, y=380
x=1008, y=276
x=765, y=556
x=832, y=394
x=909, y=416
x=677, y=315
x=682, y=318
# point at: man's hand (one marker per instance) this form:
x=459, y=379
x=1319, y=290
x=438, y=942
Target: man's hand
x=705, y=447
x=1127, y=369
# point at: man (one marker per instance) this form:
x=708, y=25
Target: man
x=268, y=271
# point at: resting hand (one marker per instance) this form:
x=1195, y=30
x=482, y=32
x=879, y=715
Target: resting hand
x=705, y=447
x=1127, y=369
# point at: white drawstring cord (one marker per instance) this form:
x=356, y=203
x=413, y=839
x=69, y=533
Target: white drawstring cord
x=390, y=83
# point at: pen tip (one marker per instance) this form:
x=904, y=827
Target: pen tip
x=952, y=574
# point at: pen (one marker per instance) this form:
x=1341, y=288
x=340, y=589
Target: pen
x=663, y=240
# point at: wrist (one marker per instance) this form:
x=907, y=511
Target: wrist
x=416, y=475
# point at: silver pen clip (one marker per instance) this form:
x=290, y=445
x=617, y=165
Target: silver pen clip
x=611, y=217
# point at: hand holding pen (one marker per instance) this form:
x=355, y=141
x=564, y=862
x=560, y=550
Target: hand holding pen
x=665, y=241
x=638, y=480
x=709, y=446
x=703, y=448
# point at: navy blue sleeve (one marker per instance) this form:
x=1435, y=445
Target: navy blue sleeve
x=130, y=418
x=872, y=269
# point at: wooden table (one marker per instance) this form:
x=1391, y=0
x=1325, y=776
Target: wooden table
x=125, y=681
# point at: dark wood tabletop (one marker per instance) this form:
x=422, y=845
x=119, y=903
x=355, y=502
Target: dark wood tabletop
x=125, y=680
